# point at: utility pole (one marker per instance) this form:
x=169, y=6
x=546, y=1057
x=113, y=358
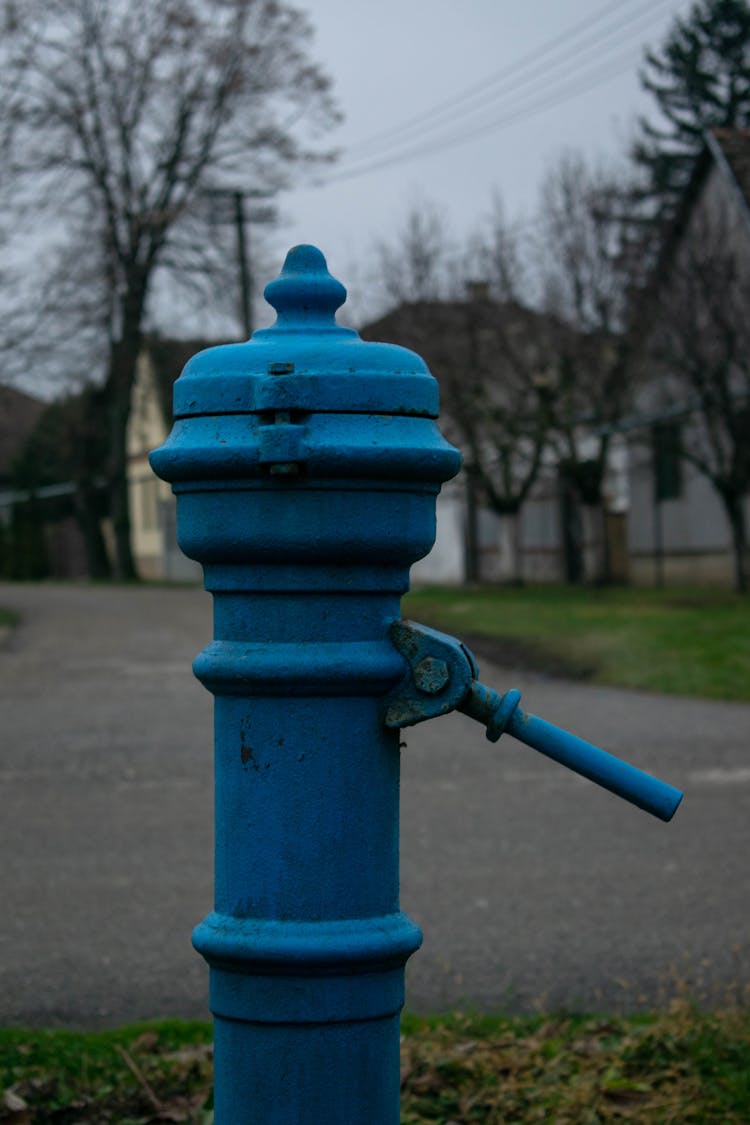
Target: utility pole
x=243, y=264
x=241, y=217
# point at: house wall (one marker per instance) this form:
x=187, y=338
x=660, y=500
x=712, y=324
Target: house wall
x=539, y=532
x=446, y=563
x=494, y=546
x=540, y=535
x=696, y=542
x=146, y=495
x=151, y=501
x=721, y=205
x=539, y=541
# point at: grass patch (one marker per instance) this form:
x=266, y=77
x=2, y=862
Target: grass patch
x=7, y=618
x=683, y=642
x=145, y=1072
x=681, y=1066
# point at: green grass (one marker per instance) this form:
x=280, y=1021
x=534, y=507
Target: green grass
x=686, y=642
x=126, y=1076
x=679, y=641
x=6, y=618
x=682, y=1066
x=679, y=1067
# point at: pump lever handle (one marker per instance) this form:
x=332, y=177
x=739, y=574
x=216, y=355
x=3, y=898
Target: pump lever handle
x=442, y=677
x=501, y=714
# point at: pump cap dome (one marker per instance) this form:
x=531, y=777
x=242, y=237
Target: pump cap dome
x=305, y=360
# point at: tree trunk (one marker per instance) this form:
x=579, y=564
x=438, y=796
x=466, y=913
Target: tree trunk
x=87, y=516
x=512, y=529
x=572, y=530
x=471, y=543
x=124, y=563
x=736, y=514
x=122, y=369
x=598, y=525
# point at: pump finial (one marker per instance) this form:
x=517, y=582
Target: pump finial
x=304, y=289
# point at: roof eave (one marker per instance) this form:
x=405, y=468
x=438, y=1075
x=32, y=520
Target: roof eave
x=725, y=168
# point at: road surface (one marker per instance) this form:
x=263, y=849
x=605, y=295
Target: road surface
x=534, y=888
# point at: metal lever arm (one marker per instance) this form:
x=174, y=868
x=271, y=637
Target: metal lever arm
x=502, y=714
x=442, y=677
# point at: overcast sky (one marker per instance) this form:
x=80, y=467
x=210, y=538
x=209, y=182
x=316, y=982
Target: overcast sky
x=515, y=83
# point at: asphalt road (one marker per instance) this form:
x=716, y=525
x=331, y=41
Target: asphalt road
x=533, y=887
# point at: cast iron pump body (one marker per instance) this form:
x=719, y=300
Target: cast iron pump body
x=306, y=464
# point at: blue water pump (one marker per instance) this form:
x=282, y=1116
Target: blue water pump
x=306, y=464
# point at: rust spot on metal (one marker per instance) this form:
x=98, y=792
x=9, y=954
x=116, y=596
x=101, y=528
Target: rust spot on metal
x=246, y=750
x=431, y=675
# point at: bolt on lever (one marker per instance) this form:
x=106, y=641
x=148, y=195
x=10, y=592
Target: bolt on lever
x=442, y=676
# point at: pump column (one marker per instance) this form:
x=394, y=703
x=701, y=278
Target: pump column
x=306, y=465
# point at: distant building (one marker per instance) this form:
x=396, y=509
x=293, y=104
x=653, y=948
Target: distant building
x=554, y=536
x=152, y=504
x=678, y=530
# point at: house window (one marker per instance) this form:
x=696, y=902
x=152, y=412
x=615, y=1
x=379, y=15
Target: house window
x=667, y=446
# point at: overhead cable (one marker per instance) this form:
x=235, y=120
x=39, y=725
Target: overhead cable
x=516, y=109
x=492, y=87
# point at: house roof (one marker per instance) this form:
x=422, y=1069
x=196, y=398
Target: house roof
x=19, y=413
x=442, y=330
x=727, y=150
x=487, y=348
x=482, y=309
x=452, y=336
x=731, y=148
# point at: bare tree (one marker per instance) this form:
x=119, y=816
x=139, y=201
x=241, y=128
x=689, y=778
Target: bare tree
x=498, y=400
x=487, y=350
x=417, y=262
x=115, y=117
x=499, y=252
x=588, y=273
x=698, y=348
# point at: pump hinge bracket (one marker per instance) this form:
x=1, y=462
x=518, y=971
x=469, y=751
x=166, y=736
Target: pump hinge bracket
x=441, y=676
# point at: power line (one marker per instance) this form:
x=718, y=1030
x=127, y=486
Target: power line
x=559, y=93
x=491, y=87
x=450, y=139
